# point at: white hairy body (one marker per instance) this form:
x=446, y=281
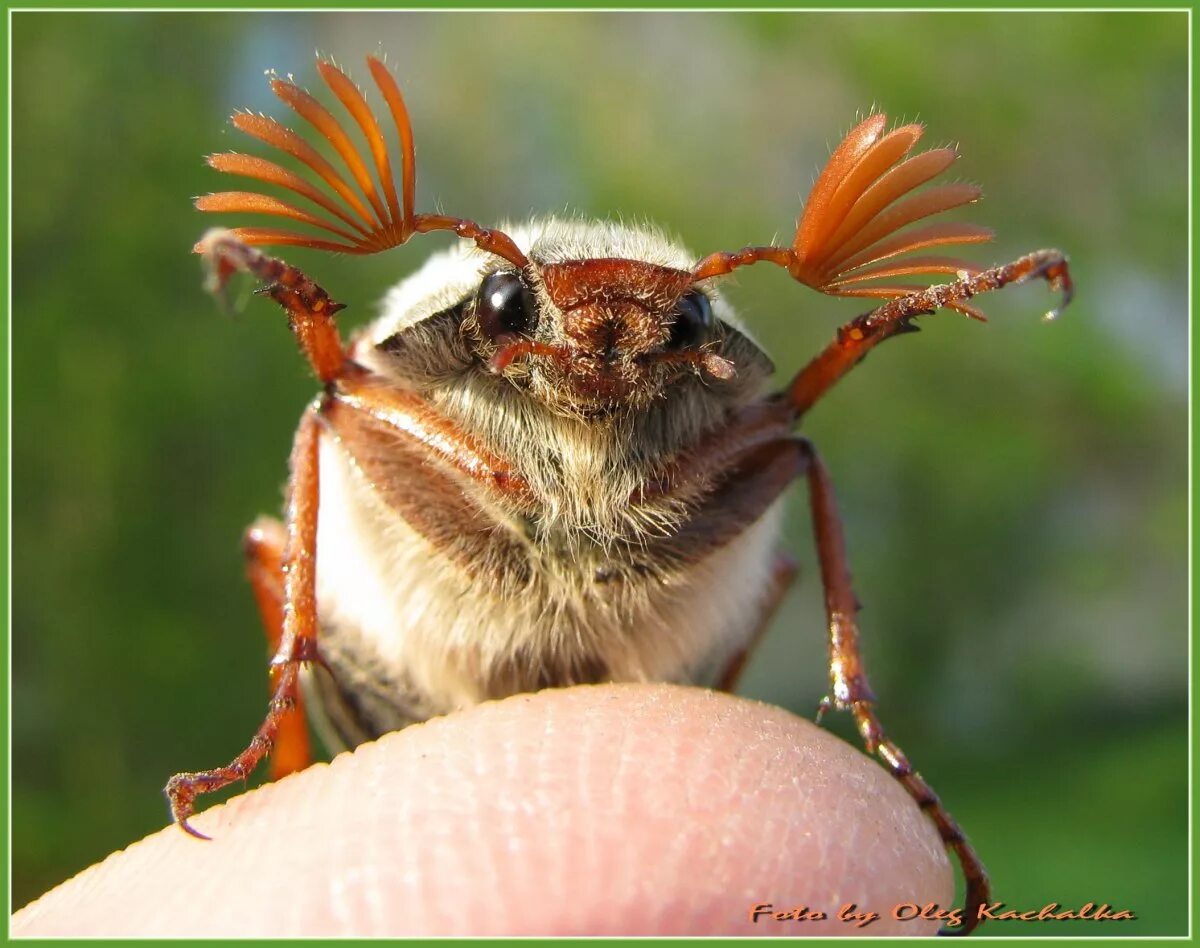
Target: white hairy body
x=410, y=633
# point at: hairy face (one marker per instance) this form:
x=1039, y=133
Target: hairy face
x=605, y=323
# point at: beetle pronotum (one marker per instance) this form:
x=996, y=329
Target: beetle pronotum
x=551, y=460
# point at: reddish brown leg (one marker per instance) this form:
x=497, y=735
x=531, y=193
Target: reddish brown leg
x=299, y=639
x=264, y=544
x=852, y=692
x=309, y=308
x=782, y=574
x=857, y=338
x=409, y=416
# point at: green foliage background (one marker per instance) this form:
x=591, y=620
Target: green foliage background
x=1015, y=494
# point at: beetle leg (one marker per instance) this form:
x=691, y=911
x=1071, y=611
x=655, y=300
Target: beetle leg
x=861, y=335
x=309, y=308
x=852, y=692
x=782, y=574
x=298, y=641
x=263, y=544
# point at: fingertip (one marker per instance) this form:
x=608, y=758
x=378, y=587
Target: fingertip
x=616, y=809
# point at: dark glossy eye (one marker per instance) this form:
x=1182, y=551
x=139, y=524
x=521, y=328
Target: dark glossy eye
x=505, y=306
x=693, y=319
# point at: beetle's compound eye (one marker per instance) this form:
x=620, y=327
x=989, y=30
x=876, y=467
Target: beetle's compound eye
x=506, y=306
x=693, y=318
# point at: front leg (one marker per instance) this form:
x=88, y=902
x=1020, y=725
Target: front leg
x=860, y=336
x=297, y=644
x=852, y=692
x=309, y=308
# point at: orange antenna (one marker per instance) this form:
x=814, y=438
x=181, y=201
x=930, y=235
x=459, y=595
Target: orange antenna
x=850, y=232
x=379, y=222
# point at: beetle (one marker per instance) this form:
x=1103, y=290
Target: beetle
x=553, y=459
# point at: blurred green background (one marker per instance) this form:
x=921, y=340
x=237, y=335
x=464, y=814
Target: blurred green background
x=1014, y=494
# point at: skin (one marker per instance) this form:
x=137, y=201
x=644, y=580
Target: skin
x=681, y=808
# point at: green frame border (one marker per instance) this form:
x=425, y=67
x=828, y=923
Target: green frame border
x=871, y=6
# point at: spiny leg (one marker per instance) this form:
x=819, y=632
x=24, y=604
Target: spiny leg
x=852, y=691
x=298, y=643
x=263, y=544
x=309, y=308
x=861, y=335
x=783, y=572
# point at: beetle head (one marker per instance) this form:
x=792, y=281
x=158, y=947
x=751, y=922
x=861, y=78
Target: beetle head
x=599, y=334
x=603, y=319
